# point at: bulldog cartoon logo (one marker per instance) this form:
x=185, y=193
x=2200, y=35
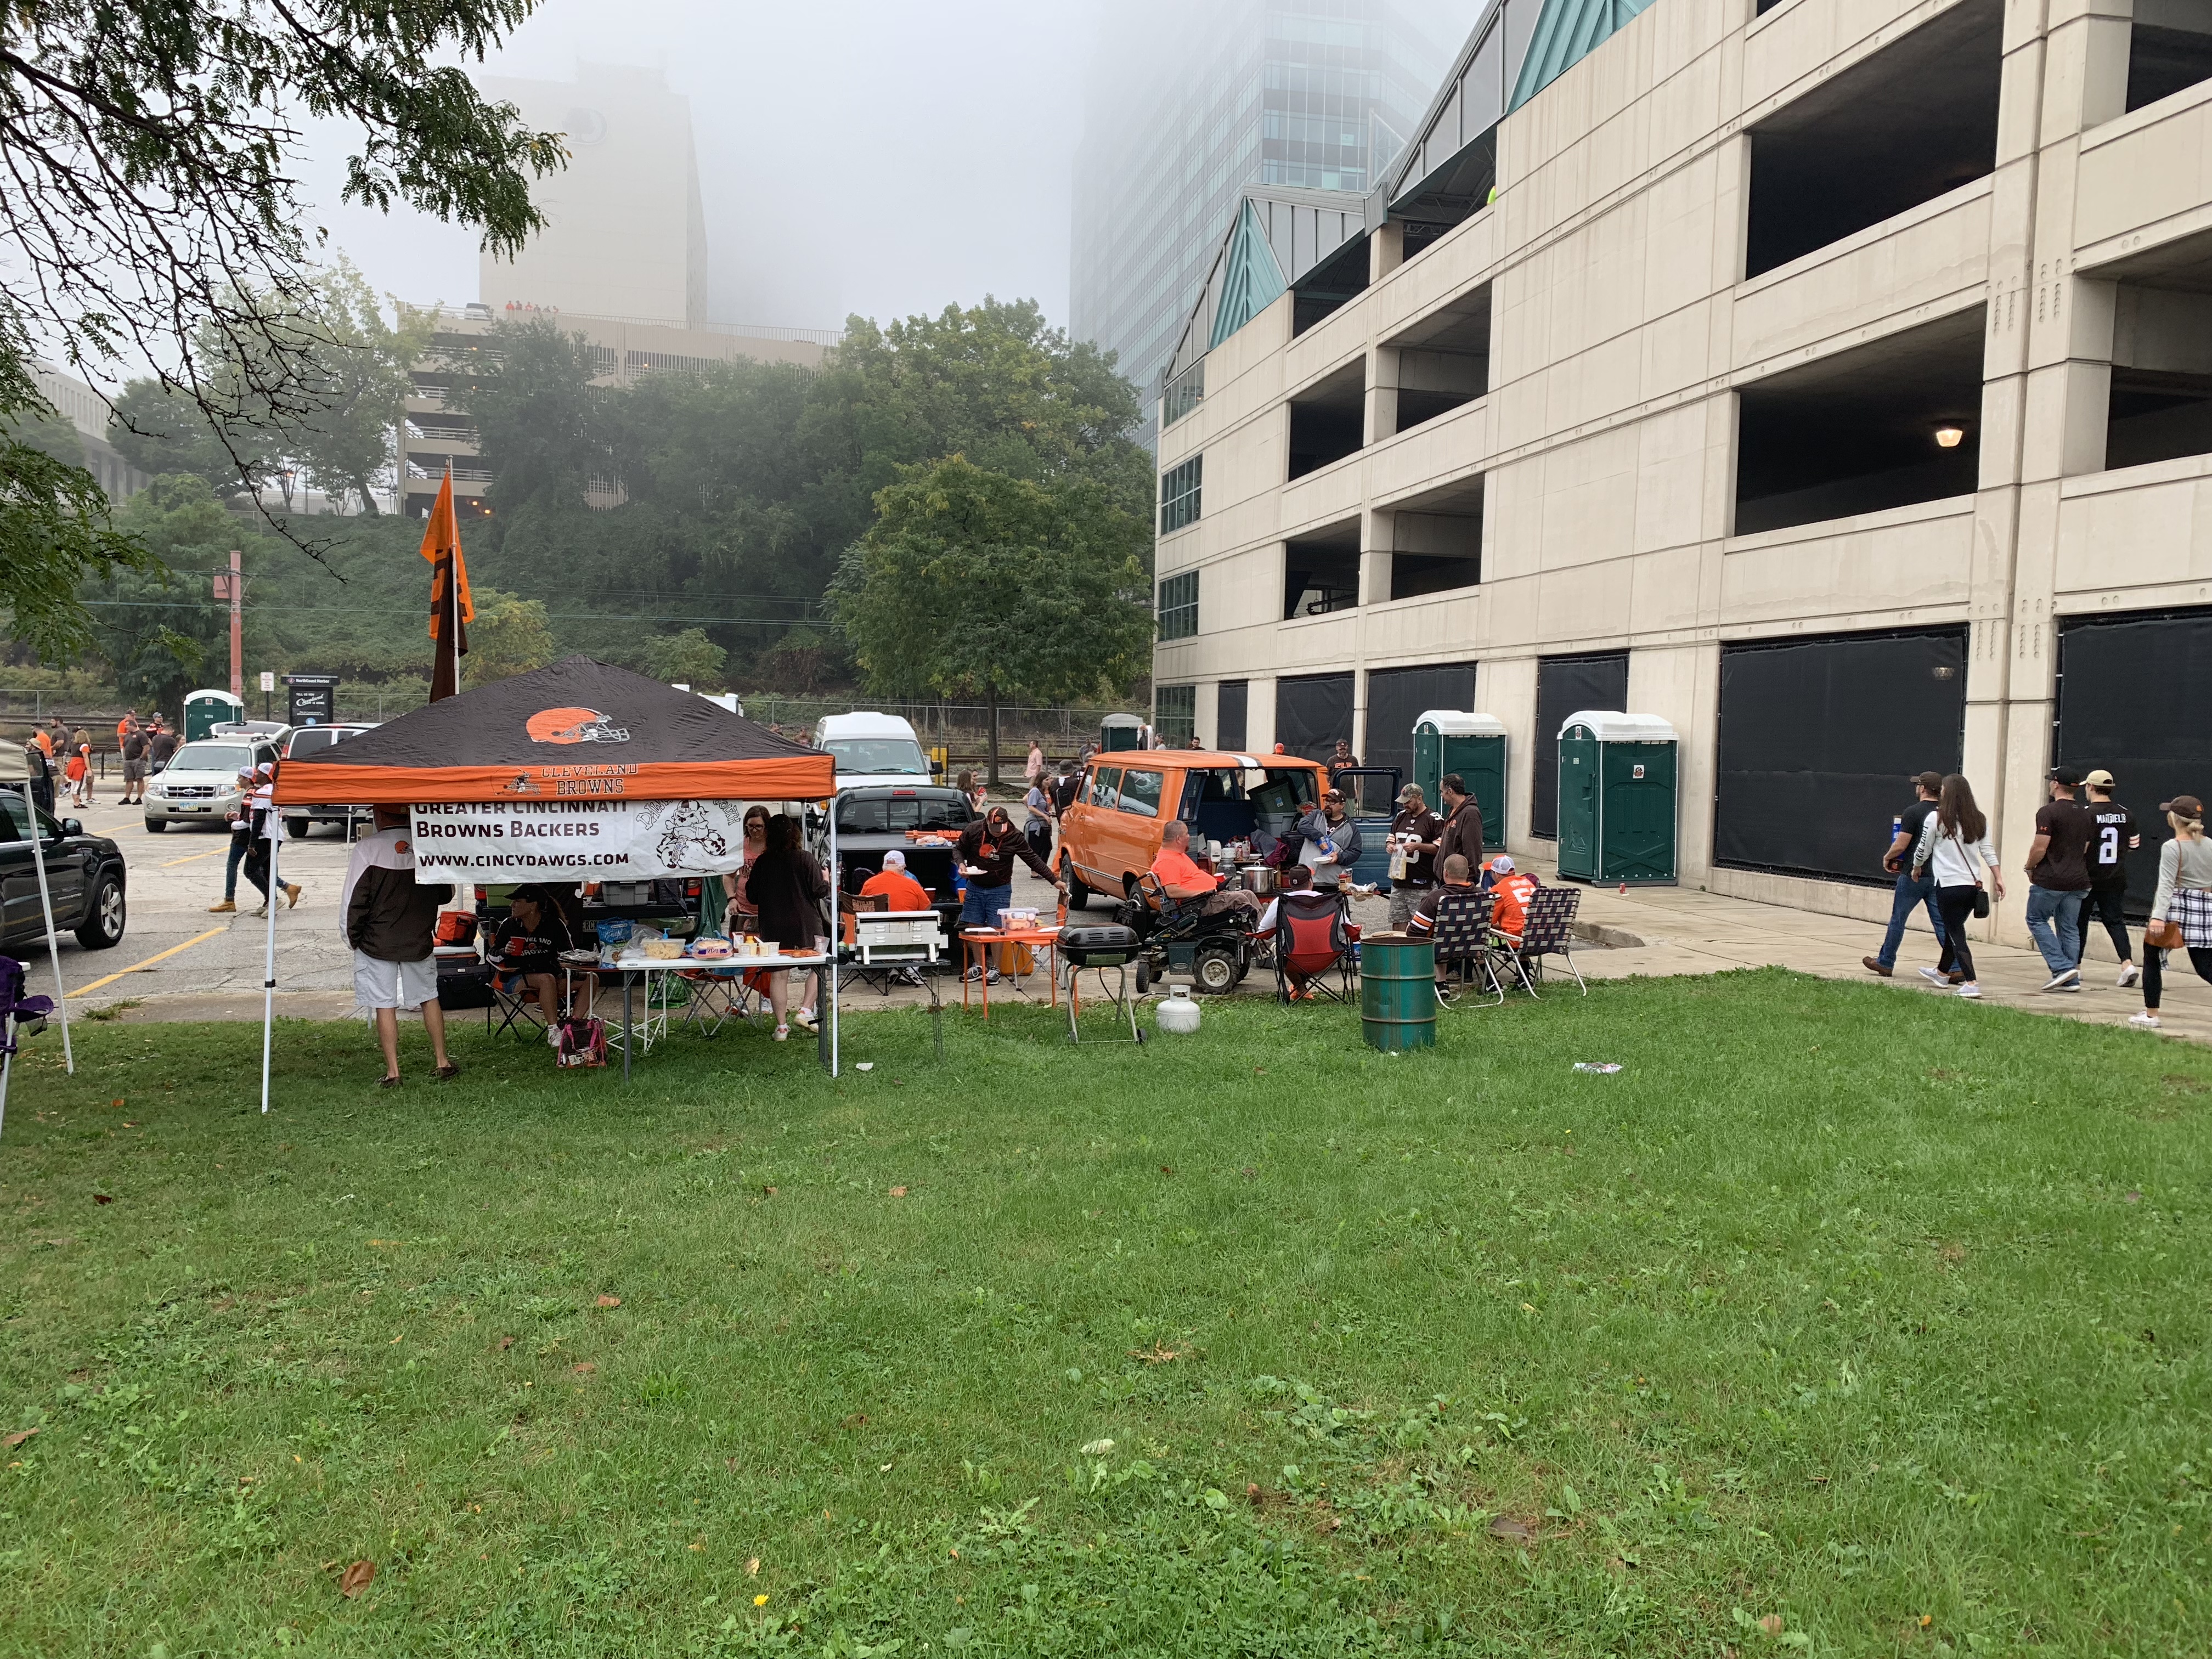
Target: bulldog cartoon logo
x=573, y=725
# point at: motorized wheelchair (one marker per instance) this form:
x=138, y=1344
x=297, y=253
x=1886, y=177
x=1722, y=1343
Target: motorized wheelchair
x=1215, y=950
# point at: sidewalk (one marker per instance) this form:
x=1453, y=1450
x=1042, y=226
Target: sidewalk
x=1678, y=930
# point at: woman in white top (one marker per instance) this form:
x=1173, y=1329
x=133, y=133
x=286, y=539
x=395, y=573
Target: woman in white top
x=1954, y=846
x=2185, y=895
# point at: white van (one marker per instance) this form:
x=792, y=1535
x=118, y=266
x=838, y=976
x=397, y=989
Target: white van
x=872, y=750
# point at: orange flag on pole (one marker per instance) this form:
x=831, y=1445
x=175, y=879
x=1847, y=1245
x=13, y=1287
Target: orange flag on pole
x=451, y=608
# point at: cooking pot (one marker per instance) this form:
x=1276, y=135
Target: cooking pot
x=1258, y=877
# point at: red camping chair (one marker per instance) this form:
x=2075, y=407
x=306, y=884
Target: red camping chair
x=1313, y=943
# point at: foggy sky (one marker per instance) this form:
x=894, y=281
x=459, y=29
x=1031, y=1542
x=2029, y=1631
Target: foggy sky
x=856, y=155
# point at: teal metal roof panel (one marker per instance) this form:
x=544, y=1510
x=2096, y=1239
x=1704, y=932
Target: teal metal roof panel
x=1567, y=32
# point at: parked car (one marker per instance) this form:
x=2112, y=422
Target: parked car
x=200, y=784
x=873, y=822
x=312, y=740
x=262, y=730
x=1112, y=833
x=872, y=750
x=85, y=880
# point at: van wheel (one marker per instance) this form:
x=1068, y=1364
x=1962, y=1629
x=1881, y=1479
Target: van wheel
x=1213, y=970
x=298, y=828
x=1079, y=895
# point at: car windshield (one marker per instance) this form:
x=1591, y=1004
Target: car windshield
x=889, y=815
x=212, y=758
x=880, y=755
x=315, y=737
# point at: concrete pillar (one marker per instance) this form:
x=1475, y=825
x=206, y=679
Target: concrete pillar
x=1385, y=250
x=1506, y=687
x=1377, y=539
x=1682, y=685
x=1382, y=412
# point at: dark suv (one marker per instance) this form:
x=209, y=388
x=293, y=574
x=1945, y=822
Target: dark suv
x=84, y=878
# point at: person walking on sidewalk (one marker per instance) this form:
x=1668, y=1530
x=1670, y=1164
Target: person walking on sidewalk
x=241, y=841
x=2116, y=835
x=1954, y=849
x=2058, y=872
x=1915, y=885
x=2182, y=903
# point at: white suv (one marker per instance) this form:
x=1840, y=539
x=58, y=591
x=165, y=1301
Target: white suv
x=200, y=783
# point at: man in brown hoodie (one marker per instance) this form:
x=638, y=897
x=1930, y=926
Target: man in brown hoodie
x=391, y=923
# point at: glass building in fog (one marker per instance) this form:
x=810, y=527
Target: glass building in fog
x=1187, y=106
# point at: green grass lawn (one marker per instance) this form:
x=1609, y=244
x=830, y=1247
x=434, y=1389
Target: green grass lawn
x=1841, y=1321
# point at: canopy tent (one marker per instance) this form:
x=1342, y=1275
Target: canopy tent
x=579, y=730
x=16, y=774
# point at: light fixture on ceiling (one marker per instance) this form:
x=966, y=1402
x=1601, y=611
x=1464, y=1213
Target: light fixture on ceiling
x=1948, y=437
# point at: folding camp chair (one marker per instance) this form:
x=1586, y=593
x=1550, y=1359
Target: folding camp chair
x=1313, y=939
x=1462, y=938
x=1548, y=931
x=514, y=1006
x=890, y=942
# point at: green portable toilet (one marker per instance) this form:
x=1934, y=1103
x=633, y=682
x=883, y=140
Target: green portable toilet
x=1473, y=745
x=1120, y=732
x=1617, y=787
x=204, y=710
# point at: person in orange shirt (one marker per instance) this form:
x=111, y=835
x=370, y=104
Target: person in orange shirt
x=1509, y=907
x=1181, y=878
x=44, y=739
x=900, y=890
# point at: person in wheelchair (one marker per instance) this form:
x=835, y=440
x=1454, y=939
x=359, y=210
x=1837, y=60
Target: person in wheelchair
x=525, y=953
x=1182, y=880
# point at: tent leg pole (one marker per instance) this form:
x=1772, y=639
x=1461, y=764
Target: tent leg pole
x=53, y=945
x=836, y=930
x=7, y=1066
x=269, y=973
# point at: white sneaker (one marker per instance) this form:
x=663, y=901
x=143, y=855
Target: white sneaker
x=1971, y=991
x=2067, y=980
x=1934, y=976
x=2129, y=975
x=2149, y=1022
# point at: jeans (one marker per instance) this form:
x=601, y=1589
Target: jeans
x=2105, y=904
x=238, y=846
x=981, y=907
x=2053, y=919
x=2153, y=969
x=1954, y=905
x=1913, y=891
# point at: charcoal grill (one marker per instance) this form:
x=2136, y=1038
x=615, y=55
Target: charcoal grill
x=1104, y=950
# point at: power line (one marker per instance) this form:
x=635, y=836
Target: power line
x=223, y=609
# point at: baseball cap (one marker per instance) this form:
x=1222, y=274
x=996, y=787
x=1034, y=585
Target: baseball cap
x=1331, y=795
x=2069, y=776
x=2185, y=806
x=2099, y=779
x=1503, y=864
x=1929, y=780
x=1413, y=791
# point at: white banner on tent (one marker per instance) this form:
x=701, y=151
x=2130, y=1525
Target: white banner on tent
x=596, y=840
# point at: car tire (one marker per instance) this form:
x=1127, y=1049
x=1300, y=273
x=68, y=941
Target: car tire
x=297, y=828
x=155, y=826
x=103, y=923
x=1213, y=970
x=1079, y=895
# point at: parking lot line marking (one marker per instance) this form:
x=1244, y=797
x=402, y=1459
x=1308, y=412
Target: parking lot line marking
x=158, y=955
x=168, y=864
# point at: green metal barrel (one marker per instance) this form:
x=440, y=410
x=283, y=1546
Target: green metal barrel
x=1398, y=993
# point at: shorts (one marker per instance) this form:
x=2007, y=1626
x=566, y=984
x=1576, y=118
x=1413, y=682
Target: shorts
x=134, y=771
x=380, y=984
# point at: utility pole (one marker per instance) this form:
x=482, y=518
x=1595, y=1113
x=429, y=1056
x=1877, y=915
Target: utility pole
x=232, y=588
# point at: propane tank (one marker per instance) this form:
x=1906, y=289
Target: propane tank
x=1178, y=1015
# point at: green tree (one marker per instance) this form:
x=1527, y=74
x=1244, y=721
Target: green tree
x=689, y=657
x=354, y=383
x=163, y=431
x=158, y=625
x=973, y=582
x=151, y=151
x=539, y=421
x=510, y=637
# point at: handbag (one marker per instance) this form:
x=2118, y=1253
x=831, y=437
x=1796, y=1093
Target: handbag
x=2163, y=936
x=1981, y=900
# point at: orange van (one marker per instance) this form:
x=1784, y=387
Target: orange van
x=1112, y=833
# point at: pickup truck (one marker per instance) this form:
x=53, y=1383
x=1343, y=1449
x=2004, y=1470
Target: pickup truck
x=874, y=821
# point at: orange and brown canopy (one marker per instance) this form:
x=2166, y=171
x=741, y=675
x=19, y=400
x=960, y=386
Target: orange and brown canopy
x=576, y=730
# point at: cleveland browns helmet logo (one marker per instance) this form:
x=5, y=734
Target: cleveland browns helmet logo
x=573, y=725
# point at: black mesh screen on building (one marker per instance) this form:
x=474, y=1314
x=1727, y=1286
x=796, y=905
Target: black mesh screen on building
x=1229, y=714
x=2135, y=697
x=1396, y=697
x=1564, y=686
x=1818, y=738
x=1312, y=711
